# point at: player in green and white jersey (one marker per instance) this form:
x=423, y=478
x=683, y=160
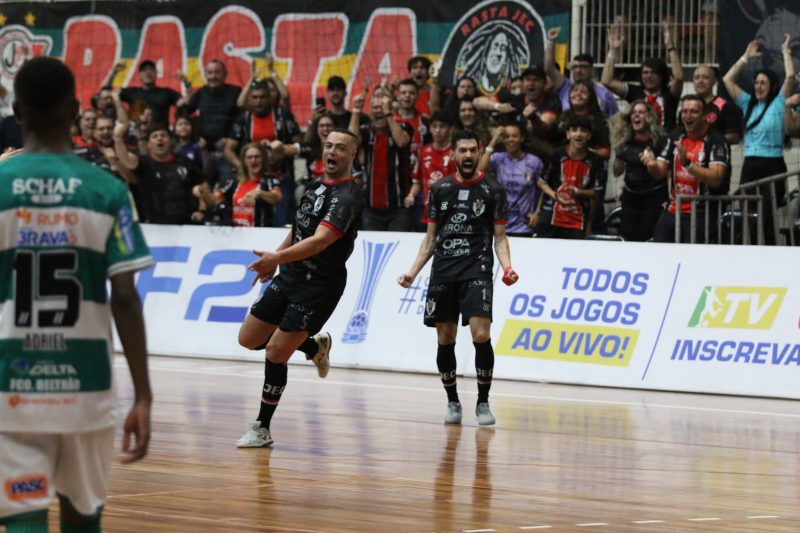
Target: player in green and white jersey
x=66, y=228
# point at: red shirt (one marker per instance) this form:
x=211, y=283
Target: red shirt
x=263, y=128
x=684, y=182
x=244, y=215
x=566, y=173
x=419, y=127
x=432, y=165
x=424, y=103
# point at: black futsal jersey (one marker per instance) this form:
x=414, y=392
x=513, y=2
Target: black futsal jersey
x=337, y=206
x=465, y=215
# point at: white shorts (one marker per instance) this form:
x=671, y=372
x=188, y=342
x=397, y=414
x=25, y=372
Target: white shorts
x=35, y=466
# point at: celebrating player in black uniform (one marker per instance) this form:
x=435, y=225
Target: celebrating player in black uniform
x=298, y=302
x=465, y=211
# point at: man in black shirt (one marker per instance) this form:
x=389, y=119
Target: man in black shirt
x=160, y=99
x=165, y=178
x=466, y=212
x=536, y=107
x=215, y=104
x=298, y=302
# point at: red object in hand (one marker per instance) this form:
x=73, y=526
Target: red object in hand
x=509, y=276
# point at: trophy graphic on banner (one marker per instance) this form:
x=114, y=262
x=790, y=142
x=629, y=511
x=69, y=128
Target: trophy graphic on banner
x=376, y=255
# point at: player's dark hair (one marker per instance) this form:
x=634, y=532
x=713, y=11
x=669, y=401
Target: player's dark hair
x=408, y=82
x=441, y=116
x=514, y=124
x=158, y=126
x=463, y=135
x=42, y=85
x=418, y=59
x=578, y=121
x=584, y=58
x=349, y=133
x=696, y=98
x=658, y=66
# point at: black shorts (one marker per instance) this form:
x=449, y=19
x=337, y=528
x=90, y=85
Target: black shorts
x=298, y=306
x=469, y=298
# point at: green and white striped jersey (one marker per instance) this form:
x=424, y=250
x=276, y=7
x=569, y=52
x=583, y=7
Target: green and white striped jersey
x=65, y=227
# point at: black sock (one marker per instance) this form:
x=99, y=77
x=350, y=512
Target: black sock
x=446, y=362
x=484, y=366
x=275, y=375
x=309, y=347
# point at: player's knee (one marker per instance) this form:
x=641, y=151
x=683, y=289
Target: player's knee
x=481, y=336
x=277, y=355
x=248, y=340
x=446, y=333
x=72, y=521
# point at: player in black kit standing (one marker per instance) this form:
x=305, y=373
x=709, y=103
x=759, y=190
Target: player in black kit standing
x=466, y=211
x=298, y=302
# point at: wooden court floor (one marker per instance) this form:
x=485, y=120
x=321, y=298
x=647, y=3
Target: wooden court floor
x=367, y=451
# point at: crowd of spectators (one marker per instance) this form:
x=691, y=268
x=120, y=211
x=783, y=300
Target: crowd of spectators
x=224, y=155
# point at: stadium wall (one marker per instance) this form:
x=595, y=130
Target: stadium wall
x=711, y=319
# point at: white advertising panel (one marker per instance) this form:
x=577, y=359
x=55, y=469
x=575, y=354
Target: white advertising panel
x=718, y=319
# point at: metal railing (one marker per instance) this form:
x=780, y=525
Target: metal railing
x=694, y=22
x=721, y=217
x=777, y=216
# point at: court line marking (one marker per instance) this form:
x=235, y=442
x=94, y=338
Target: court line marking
x=709, y=519
x=478, y=530
x=762, y=517
x=592, y=524
x=535, y=527
x=648, y=521
x=260, y=374
x=222, y=521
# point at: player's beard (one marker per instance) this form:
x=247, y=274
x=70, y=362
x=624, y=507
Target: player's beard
x=468, y=173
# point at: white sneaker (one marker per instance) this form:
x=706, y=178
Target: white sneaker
x=321, y=359
x=484, y=415
x=255, y=437
x=453, y=415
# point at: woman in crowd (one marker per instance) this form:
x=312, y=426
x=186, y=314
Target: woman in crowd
x=464, y=89
x=246, y=200
x=763, y=108
x=583, y=102
x=518, y=172
x=312, y=152
x=656, y=87
x=637, y=138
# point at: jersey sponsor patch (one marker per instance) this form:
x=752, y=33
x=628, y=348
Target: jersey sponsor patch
x=26, y=487
x=123, y=231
